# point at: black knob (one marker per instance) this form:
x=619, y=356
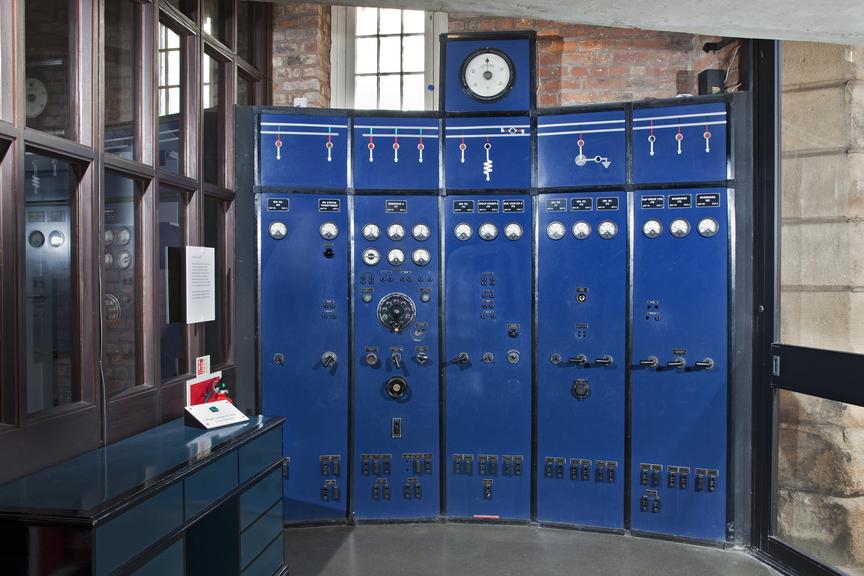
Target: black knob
x=396, y=358
x=513, y=331
x=396, y=387
x=676, y=363
x=650, y=362
x=328, y=359
x=328, y=252
x=705, y=364
x=580, y=360
x=278, y=359
x=604, y=361
x=422, y=358
x=461, y=358
x=580, y=389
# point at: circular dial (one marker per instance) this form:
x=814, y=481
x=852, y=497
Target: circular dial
x=581, y=389
x=581, y=230
x=488, y=75
x=652, y=228
x=679, y=228
x=371, y=232
x=488, y=231
x=113, y=310
x=109, y=260
x=371, y=256
x=396, y=311
x=555, y=230
x=421, y=257
x=123, y=236
x=513, y=231
x=396, y=257
x=278, y=230
x=37, y=97
x=56, y=239
x=463, y=231
x=708, y=227
x=607, y=230
x=421, y=232
x=109, y=237
x=396, y=387
x=124, y=260
x=36, y=239
x=395, y=232
x=328, y=231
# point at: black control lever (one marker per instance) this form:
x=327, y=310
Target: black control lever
x=396, y=358
x=650, y=362
x=677, y=363
x=422, y=358
x=581, y=360
x=604, y=361
x=705, y=364
x=461, y=358
x=328, y=359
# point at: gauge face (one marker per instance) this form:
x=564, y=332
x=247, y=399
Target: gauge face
x=652, y=228
x=278, y=230
x=513, y=231
x=109, y=260
x=124, y=260
x=36, y=239
x=607, y=230
x=36, y=97
x=421, y=257
x=488, y=231
x=371, y=232
x=395, y=232
x=421, y=232
x=56, y=239
x=109, y=237
x=555, y=230
x=328, y=231
x=679, y=228
x=123, y=236
x=708, y=227
x=396, y=311
x=396, y=257
x=371, y=256
x=463, y=231
x=487, y=75
x=581, y=230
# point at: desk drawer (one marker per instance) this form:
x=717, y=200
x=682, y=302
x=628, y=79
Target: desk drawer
x=259, y=534
x=260, y=497
x=210, y=484
x=168, y=563
x=260, y=453
x=269, y=561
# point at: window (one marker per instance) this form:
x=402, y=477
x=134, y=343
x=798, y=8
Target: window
x=172, y=237
x=215, y=332
x=214, y=18
x=213, y=102
x=171, y=96
x=121, y=81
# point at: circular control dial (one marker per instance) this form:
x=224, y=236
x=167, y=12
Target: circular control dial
x=396, y=312
x=555, y=230
x=109, y=237
x=421, y=257
x=421, y=232
x=708, y=227
x=371, y=256
x=679, y=228
x=36, y=239
x=652, y=228
x=513, y=231
x=487, y=75
x=396, y=257
x=607, y=230
x=124, y=260
x=488, y=231
x=328, y=231
x=581, y=230
x=278, y=230
x=396, y=232
x=397, y=387
x=463, y=231
x=124, y=236
x=371, y=232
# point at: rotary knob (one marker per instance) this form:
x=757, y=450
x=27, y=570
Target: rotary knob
x=396, y=311
x=396, y=387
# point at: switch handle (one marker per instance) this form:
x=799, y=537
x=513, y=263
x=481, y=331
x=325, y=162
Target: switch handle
x=650, y=362
x=705, y=364
x=581, y=360
x=461, y=358
x=422, y=358
x=677, y=363
x=396, y=357
x=328, y=359
x=604, y=361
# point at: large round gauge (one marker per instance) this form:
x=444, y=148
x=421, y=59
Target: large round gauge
x=421, y=232
x=123, y=236
x=679, y=228
x=396, y=311
x=395, y=232
x=513, y=231
x=708, y=227
x=109, y=260
x=421, y=257
x=555, y=230
x=109, y=237
x=463, y=231
x=371, y=256
x=36, y=239
x=371, y=232
x=581, y=230
x=56, y=239
x=124, y=260
x=396, y=257
x=488, y=75
x=36, y=95
x=488, y=231
x=278, y=230
x=607, y=230
x=328, y=231
x=652, y=228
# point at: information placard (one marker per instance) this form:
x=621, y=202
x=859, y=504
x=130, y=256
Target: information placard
x=200, y=284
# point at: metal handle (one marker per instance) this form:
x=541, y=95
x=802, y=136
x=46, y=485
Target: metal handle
x=581, y=360
x=677, y=363
x=705, y=364
x=461, y=358
x=422, y=358
x=396, y=358
x=604, y=361
x=328, y=359
x=650, y=362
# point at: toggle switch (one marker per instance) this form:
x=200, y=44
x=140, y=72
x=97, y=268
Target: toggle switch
x=513, y=330
x=650, y=362
x=488, y=358
x=422, y=358
x=604, y=361
x=513, y=357
x=555, y=359
x=396, y=358
x=705, y=364
x=371, y=359
x=329, y=359
x=676, y=363
x=580, y=360
x=461, y=358
x=278, y=359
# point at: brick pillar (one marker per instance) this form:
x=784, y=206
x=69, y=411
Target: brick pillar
x=301, y=54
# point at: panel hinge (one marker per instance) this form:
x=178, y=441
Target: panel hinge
x=286, y=466
x=775, y=366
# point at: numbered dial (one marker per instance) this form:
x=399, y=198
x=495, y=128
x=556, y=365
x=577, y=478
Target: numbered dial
x=708, y=227
x=396, y=312
x=555, y=230
x=396, y=257
x=652, y=228
x=371, y=256
x=395, y=232
x=463, y=231
x=488, y=231
x=679, y=228
x=421, y=257
x=488, y=75
x=371, y=232
x=328, y=231
x=513, y=231
x=607, y=230
x=278, y=230
x=581, y=230
x=421, y=232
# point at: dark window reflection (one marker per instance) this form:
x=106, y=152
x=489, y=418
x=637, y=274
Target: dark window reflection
x=172, y=81
x=214, y=237
x=48, y=54
x=121, y=90
x=120, y=284
x=245, y=91
x=245, y=33
x=50, y=188
x=214, y=130
x=172, y=207
x=185, y=6
x=213, y=14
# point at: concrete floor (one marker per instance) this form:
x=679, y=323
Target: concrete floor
x=475, y=550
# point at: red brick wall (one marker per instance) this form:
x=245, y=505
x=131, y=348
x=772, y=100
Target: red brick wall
x=301, y=54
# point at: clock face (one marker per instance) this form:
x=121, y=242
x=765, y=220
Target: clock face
x=36, y=96
x=488, y=75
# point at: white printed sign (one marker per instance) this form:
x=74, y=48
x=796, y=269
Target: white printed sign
x=200, y=284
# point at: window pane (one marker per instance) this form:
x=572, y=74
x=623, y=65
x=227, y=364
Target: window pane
x=185, y=6
x=172, y=80
x=413, y=53
x=413, y=21
x=245, y=29
x=391, y=53
x=391, y=21
x=120, y=284
x=214, y=130
x=366, y=56
x=245, y=91
x=390, y=89
x=367, y=22
x=49, y=271
x=214, y=237
x=48, y=84
x=172, y=223
x=121, y=82
x=366, y=92
x=414, y=92
x=213, y=18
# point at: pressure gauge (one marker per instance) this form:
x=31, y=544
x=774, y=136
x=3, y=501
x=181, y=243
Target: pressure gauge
x=513, y=231
x=652, y=228
x=708, y=227
x=679, y=228
x=36, y=239
x=488, y=75
x=463, y=231
x=581, y=230
x=607, y=230
x=396, y=257
x=328, y=230
x=488, y=231
x=395, y=232
x=109, y=261
x=56, y=239
x=421, y=257
x=371, y=256
x=555, y=230
x=124, y=260
x=421, y=232
x=109, y=237
x=371, y=232
x=36, y=97
x=123, y=237
x=278, y=230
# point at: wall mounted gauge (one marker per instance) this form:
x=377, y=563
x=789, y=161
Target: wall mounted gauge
x=463, y=231
x=36, y=97
x=56, y=239
x=487, y=75
x=124, y=260
x=555, y=230
x=395, y=232
x=421, y=232
x=36, y=239
x=421, y=257
x=278, y=230
x=109, y=237
x=371, y=256
x=123, y=237
x=488, y=231
x=607, y=230
x=371, y=232
x=109, y=260
x=581, y=230
x=396, y=257
x=708, y=227
x=652, y=228
x=679, y=228
x=513, y=231
x=328, y=231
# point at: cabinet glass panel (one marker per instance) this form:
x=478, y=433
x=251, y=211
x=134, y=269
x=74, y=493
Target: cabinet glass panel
x=214, y=237
x=121, y=77
x=172, y=87
x=213, y=13
x=214, y=125
x=49, y=58
x=172, y=230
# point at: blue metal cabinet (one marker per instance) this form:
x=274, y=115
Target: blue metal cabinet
x=396, y=153
x=306, y=151
x=585, y=149
x=488, y=153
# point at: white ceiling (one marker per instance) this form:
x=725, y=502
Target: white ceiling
x=840, y=21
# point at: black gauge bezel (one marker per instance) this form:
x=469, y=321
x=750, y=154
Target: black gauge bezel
x=501, y=94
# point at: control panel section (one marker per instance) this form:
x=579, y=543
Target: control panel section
x=303, y=151
x=304, y=319
x=679, y=362
x=586, y=149
x=397, y=359
x=396, y=153
x=581, y=362
x=488, y=153
x=487, y=356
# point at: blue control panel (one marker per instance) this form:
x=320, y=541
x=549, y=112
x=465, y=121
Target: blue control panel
x=304, y=320
x=581, y=363
x=684, y=143
x=397, y=359
x=489, y=153
x=396, y=153
x=679, y=372
x=586, y=149
x=487, y=341
x=303, y=151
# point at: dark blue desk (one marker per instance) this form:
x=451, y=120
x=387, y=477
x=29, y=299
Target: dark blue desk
x=172, y=500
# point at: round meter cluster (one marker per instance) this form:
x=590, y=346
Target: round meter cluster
x=396, y=232
x=679, y=228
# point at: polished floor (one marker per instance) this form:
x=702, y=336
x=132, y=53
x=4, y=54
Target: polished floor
x=475, y=550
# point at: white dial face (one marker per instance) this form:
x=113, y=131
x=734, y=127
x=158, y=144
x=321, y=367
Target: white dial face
x=371, y=232
x=555, y=230
x=395, y=232
x=652, y=228
x=109, y=237
x=123, y=236
x=463, y=231
x=487, y=75
x=421, y=232
x=37, y=97
x=56, y=239
x=124, y=260
x=607, y=230
x=371, y=256
x=328, y=230
x=396, y=257
x=109, y=261
x=513, y=231
x=488, y=231
x=278, y=230
x=421, y=257
x=679, y=228
x=708, y=227
x=581, y=230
